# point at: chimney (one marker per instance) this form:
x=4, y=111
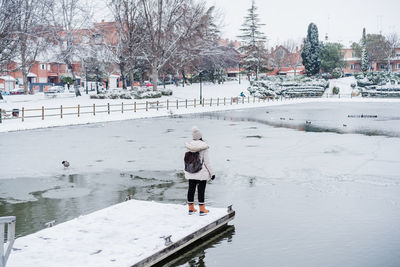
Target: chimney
x=102, y=21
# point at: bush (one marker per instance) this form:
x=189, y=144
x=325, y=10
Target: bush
x=335, y=90
x=336, y=73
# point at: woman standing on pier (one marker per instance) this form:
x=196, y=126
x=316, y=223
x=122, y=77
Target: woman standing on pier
x=197, y=170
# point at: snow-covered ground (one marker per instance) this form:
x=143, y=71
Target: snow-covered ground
x=121, y=235
x=70, y=105
x=319, y=194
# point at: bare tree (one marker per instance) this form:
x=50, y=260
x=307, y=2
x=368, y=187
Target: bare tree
x=126, y=47
x=68, y=18
x=32, y=35
x=9, y=9
x=167, y=24
x=393, y=42
x=294, y=58
x=279, y=58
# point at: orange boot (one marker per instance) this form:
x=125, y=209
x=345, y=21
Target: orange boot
x=191, y=208
x=203, y=210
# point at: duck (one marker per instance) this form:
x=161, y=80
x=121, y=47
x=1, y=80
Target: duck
x=308, y=122
x=65, y=164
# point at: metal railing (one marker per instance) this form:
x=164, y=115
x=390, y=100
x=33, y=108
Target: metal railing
x=133, y=106
x=6, y=244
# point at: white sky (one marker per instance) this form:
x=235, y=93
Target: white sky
x=343, y=20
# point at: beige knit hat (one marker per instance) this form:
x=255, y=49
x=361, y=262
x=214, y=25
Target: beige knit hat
x=196, y=133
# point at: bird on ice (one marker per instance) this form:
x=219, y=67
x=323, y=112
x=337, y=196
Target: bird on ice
x=65, y=164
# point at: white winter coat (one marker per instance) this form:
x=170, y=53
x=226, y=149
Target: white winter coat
x=206, y=171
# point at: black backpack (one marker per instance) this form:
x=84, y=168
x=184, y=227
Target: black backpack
x=193, y=163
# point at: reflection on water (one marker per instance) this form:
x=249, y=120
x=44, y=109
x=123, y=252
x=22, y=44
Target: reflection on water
x=194, y=255
x=66, y=197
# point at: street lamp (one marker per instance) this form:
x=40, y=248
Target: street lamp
x=239, y=72
x=87, y=89
x=201, y=89
x=97, y=80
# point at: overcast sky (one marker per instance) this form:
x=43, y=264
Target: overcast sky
x=342, y=20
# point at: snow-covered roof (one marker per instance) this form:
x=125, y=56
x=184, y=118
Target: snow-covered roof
x=30, y=74
x=7, y=78
x=114, y=76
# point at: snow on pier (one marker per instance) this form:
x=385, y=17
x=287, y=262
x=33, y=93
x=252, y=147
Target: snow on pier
x=130, y=233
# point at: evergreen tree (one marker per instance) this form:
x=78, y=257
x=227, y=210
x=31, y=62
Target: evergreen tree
x=311, y=51
x=364, y=53
x=253, y=41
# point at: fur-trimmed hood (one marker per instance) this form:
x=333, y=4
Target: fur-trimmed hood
x=196, y=146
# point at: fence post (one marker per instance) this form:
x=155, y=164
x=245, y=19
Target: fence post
x=194, y=102
x=202, y=102
x=339, y=95
x=122, y=107
x=248, y=99
x=1, y=113
x=61, y=114
x=254, y=99
x=157, y=105
x=147, y=105
x=23, y=114
x=42, y=112
x=79, y=110
x=231, y=100
x=177, y=104
x=108, y=108
x=186, y=103
x=217, y=101
x=211, y=102
x=94, y=109
x=134, y=106
x=167, y=104
x=224, y=101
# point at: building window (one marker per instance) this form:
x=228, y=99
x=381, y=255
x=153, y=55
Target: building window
x=353, y=54
x=398, y=66
x=42, y=67
x=48, y=67
x=397, y=55
x=353, y=66
x=382, y=66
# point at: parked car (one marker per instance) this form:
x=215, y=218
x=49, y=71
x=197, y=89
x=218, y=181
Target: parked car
x=17, y=91
x=147, y=83
x=56, y=89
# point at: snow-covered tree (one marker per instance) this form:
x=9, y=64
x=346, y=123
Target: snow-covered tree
x=68, y=18
x=294, y=54
x=32, y=35
x=253, y=41
x=127, y=46
x=311, y=51
x=8, y=15
x=167, y=24
x=364, y=53
x=393, y=42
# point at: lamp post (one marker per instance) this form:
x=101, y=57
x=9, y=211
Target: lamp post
x=239, y=72
x=97, y=80
x=201, y=89
x=87, y=89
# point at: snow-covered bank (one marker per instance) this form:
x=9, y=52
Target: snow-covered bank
x=120, y=235
x=54, y=121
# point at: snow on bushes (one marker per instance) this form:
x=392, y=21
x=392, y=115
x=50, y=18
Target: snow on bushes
x=298, y=86
x=379, y=84
x=136, y=93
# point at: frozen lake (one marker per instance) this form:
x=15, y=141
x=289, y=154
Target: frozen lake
x=322, y=193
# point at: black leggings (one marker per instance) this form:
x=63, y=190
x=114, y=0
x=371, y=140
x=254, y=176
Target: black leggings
x=201, y=188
